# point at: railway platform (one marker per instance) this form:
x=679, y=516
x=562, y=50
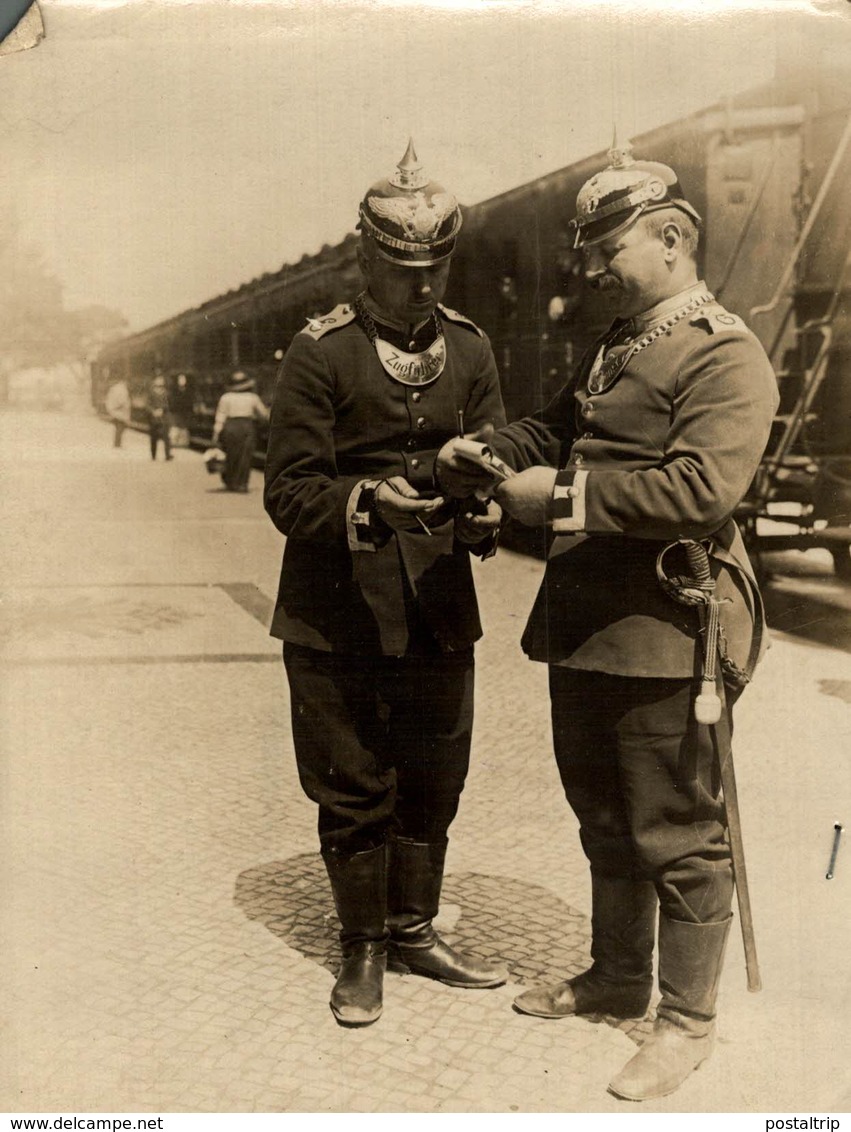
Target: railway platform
x=168, y=935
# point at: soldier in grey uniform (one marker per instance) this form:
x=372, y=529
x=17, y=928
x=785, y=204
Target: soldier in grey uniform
x=376, y=605
x=654, y=441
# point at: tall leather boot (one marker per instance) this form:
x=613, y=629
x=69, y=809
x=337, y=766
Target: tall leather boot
x=415, y=875
x=690, y=961
x=620, y=979
x=359, y=885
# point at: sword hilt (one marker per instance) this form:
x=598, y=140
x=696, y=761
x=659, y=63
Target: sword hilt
x=699, y=590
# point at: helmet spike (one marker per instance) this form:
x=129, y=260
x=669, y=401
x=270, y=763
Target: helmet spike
x=412, y=219
x=410, y=172
x=409, y=161
x=620, y=156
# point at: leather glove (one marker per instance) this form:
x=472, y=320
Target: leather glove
x=476, y=520
x=401, y=507
x=528, y=495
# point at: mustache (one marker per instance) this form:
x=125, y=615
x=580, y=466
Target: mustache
x=604, y=283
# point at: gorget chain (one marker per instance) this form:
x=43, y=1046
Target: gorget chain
x=609, y=365
x=408, y=369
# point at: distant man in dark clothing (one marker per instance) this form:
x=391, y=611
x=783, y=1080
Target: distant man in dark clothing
x=159, y=417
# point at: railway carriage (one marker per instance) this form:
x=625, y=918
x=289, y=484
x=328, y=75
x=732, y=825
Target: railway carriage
x=767, y=170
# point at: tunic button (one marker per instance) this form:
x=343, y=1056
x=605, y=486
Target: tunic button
x=412, y=345
x=421, y=422
x=588, y=408
x=578, y=459
x=573, y=492
x=416, y=396
x=415, y=463
x=588, y=436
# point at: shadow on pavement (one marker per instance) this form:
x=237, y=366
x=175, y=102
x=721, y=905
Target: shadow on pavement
x=542, y=939
x=814, y=618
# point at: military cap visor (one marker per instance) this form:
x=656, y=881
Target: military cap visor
x=595, y=231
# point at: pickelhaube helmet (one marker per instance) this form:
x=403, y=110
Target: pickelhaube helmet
x=613, y=199
x=411, y=219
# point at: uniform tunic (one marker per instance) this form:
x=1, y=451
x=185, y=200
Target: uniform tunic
x=666, y=452
x=378, y=626
x=338, y=421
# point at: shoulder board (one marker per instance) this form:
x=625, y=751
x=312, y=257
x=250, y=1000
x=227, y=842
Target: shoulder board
x=338, y=317
x=716, y=319
x=454, y=316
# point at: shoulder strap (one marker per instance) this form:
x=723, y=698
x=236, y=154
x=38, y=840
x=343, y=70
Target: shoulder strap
x=340, y=316
x=461, y=319
x=715, y=320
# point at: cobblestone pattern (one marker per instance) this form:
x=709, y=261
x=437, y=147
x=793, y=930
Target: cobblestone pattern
x=523, y=925
x=168, y=938
x=154, y=966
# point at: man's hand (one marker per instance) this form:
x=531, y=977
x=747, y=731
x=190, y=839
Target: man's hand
x=400, y=506
x=527, y=496
x=475, y=521
x=458, y=477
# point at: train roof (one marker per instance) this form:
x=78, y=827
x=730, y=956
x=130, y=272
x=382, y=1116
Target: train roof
x=784, y=101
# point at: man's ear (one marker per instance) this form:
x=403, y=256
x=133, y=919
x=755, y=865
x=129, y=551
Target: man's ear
x=672, y=238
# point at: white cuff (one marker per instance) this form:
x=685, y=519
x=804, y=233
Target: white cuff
x=569, y=501
x=359, y=532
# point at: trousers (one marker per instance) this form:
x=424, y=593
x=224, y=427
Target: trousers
x=159, y=432
x=642, y=778
x=382, y=743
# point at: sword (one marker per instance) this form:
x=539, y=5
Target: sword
x=724, y=755
x=708, y=709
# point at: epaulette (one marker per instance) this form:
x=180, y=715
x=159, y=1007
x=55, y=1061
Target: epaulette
x=339, y=316
x=716, y=319
x=454, y=316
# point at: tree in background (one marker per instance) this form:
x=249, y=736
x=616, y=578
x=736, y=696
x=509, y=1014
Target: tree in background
x=36, y=330
x=89, y=330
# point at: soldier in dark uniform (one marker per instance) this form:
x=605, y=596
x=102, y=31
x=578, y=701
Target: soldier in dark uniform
x=655, y=440
x=376, y=604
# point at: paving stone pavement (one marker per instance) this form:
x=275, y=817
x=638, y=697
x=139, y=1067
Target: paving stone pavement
x=169, y=937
